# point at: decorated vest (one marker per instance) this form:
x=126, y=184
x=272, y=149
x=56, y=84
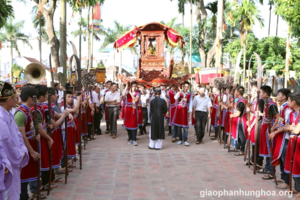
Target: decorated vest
x=40, y=109
x=70, y=123
x=184, y=99
x=29, y=129
x=265, y=119
x=171, y=95
x=281, y=121
x=138, y=93
x=216, y=101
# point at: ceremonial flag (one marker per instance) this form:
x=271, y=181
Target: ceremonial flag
x=96, y=16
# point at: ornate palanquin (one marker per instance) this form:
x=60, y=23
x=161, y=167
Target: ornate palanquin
x=151, y=38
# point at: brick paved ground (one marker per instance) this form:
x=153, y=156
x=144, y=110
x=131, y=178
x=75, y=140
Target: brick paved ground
x=112, y=169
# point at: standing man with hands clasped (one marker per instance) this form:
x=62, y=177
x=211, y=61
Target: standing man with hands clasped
x=201, y=112
x=112, y=101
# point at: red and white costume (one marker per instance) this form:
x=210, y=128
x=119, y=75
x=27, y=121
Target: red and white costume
x=44, y=150
x=264, y=149
x=29, y=172
x=242, y=119
x=279, y=139
x=293, y=119
x=130, y=112
x=183, y=108
x=70, y=132
x=227, y=114
x=252, y=119
x=172, y=106
x=57, y=150
x=214, y=119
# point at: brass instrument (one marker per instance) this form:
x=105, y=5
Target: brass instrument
x=35, y=73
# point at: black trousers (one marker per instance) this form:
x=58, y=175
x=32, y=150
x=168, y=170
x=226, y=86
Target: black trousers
x=201, y=118
x=145, y=120
x=45, y=176
x=259, y=159
x=131, y=134
x=97, y=118
x=112, y=113
x=241, y=139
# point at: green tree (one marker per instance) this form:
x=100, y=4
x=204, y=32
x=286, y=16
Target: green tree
x=181, y=8
x=289, y=11
x=244, y=13
x=12, y=33
x=112, y=35
x=6, y=11
x=213, y=8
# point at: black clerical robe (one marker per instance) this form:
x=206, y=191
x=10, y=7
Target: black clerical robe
x=158, y=107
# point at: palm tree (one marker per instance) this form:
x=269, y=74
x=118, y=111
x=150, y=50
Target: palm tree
x=11, y=33
x=6, y=11
x=213, y=8
x=245, y=14
x=181, y=8
x=112, y=35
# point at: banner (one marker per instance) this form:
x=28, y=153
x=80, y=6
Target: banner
x=96, y=16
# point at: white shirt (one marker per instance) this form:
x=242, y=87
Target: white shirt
x=112, y=96
x=144, y=98
x=96, y=100
x=102, y=92
x=61, y=95
x=202, y=103
x=176, y=97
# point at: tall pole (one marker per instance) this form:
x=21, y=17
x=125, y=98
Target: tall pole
x=80, y=12
x=277, y=25
x=270, y=18
x=92, y=46
x=89, y=41
x=191, y=27
x=287, y=61
x=63, y=43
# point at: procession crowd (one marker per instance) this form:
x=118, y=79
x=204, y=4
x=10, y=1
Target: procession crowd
x=44, y=128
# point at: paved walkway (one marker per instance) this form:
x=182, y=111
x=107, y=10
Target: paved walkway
x=112, y=169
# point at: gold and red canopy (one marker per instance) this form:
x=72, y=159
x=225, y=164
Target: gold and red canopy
x=128, y=39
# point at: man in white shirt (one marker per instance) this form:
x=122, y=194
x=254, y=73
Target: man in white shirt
x=112, y=101
x=201, y=112
x=96, y=100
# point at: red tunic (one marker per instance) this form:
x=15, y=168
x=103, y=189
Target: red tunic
x=227, y=118
x=44, y=150
x=140, y=110
x=181, y=117
x=293, y=119
x=131, y=113
x=57, y=147
x=252, y=119
x=223, y=114
x=242, y=119
x=29, y=172
x=71, y=134
x=264, y=149
x=214, y=120
x=172, y=106
x=57, y=151
x=279, y=139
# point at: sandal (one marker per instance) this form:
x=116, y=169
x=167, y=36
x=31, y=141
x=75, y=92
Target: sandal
x=268, y=177
x=213, y=138
x=278, y=181
x=57, y=180
x=34, y=196
x=45, y=188
x=262, y=171
x=282, y=186
x=247, y=163
x=239, y=154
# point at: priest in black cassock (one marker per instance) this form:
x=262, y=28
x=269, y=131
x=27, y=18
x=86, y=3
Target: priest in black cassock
x=158, y=107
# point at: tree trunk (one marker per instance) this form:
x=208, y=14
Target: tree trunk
x=219, y=33
x=92, y=45
x=191, y=38
x=54, y=42
x=182, y=15
x=89, y=41
x=277, y=25
x=63, y=46
x=201, y=19
x=270, y=19
x=244, y=72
